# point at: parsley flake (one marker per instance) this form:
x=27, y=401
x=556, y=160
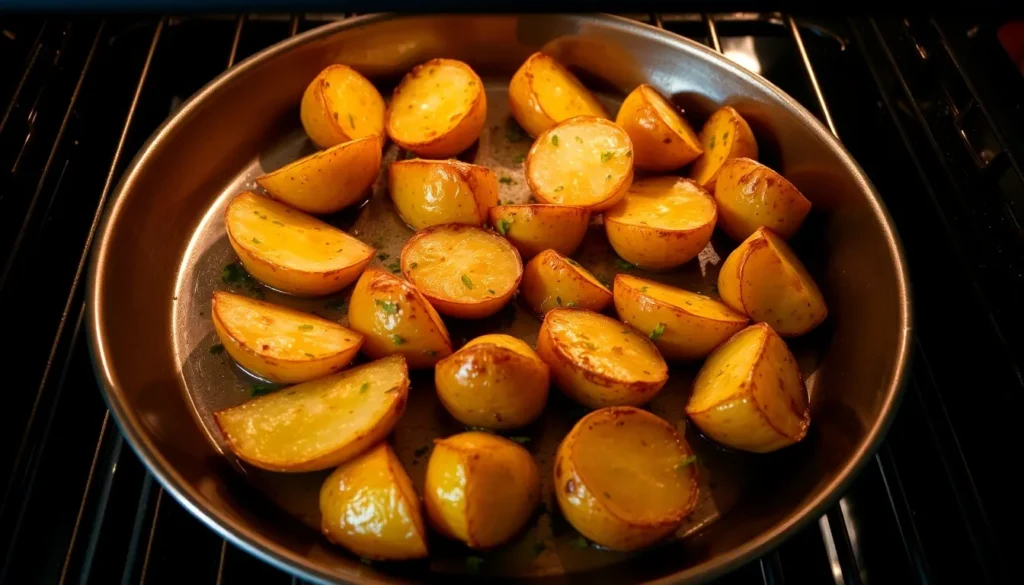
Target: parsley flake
x=686, y=462
x=620, y=263
x=572, y=304
x=383, y=256
x=559, y=188
x=261, y=389
x=491, y=290
x=554, y=140
x=339, y=305
x=395, y=267
x=504, y=225
x=520, y=440
x=507, y=181
x=467, y=282
x=389, y=307
x=607, y=156
x=520, y=158
x=397, y=339
x=305, y=327
x=579, y=140
x=643, y=289
x=590, y=346
x=658, y=332
x=513, y=131
x=364, y=387
x=257, y=241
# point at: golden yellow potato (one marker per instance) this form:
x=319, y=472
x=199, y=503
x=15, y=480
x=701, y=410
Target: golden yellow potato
x=465, y=271
x=751, y=195
x=438, y=110
x=583, y=161
x=321, y=423
x=725, y=135
x=480, y=488
x=538, y=227
x=291, y=251
x=552, y=281
x=543, y=93
x=395, y=318
x=625, y=478
x=341, y=105
x=750, y=395
x=434, y=192
x=662, y=139
x=764, y=280
x=368, y=505
x=495, y=381
x=598, y=361
x=662, y=223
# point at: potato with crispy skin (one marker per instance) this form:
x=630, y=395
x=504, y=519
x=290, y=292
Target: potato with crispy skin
x=435, y=192
x=341, y=105
x=725, y=135
x=543, y=93
x=751, y=195
x=552, y=281
x=534, y=228
x=662, y=138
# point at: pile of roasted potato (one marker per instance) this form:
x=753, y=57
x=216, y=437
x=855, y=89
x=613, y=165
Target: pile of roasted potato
x=623, y=477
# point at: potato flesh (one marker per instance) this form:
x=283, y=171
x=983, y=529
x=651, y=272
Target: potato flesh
x=538, y=227
x=551, y=281
x=581, y=162
x=356, y=103
x=692, y=302
x=432, y=99
x=428, y=193
x=605, y=346
x=727, y=370
x=668, y=203
x=560, y=93
x=462, y=265
x=671, y=116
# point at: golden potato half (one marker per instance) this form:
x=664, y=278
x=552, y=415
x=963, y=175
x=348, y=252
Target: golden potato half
x=538, y=227
x=751, y=195
x=583, y=161
x=684, y=325
x=291, y=251
x=480, y=488
x=543, y=93
x=465, y=271
x=552, y=281
x=395, y=318
x=725, y=135
x=438, y=110
x=328, y=181
x=369, y=506
x=662, y=139
x=495, y=381
x=662, y=223
x=321, y=423
x=434, y=192
x=625, y=478
x=764, y=279
x=281, y=344
x=341, y=105
x=750, y=395
x=598, y=361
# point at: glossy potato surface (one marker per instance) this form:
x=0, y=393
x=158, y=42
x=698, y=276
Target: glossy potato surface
x=552, y=281
x=662, y=138
x=725, y=135
x=751, y=195
x=434, y=192
x=534, y=228
x=543, y=93
x=340, y=105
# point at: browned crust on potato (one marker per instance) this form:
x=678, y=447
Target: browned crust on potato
x=677, y=310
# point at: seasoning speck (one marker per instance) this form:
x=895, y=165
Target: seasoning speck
x=467, y=282
x=658, y=332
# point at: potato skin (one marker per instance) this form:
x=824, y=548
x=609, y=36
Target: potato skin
x=525, y=102
x=751, y=195
x=656, y=145
x=534, y=228
x=551, y=281
x=738, y=142
x=325, y=123
x=435, y=192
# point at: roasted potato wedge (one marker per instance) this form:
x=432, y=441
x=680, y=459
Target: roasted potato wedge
x=480, y=488
x=552, y=281
x=434, y=192
x=662, y=223
x=369, y=506
x=291, y=251
x=625, y=478
x=764, y=280
x=543, y=93
x=751, y=195
x=535, y=228
x=466, y=272
x=321, y=423
x=583, y=161
x=662, y=138
x=495, y=381
x=396, y=318
x=341, y=105
x=725, y=135
x=438, y=110
x=598, y=361
x=750, y=395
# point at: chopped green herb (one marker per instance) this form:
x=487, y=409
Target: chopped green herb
x=620, y=263
x=603, y=280
x=364, y=387
x=305, y=327
x=554, y=139
x=389, y=307
x=558, y=301
x=572, y=304
x=607, y=156
x=351, y=121
x=725, y=136
x=217, y=348
x=467, y=282
x=261, y=389
x=686, y=462
x=519, y=158
x=421, y=451
x=257, y=241
x=579, y=140
x=711, y=143
x=607, y=495
x=430, y=352
x=513, y=131
x=573, y=262
x=590, y=346
x=507, y=181
x=309, y=355
x=275, y=222
x=236, y=274
x=608, y=178
x=559, y=188
x=397, y=339
x=491, y=290
x=413, y=265
x=503, y=225
x=579, y=542
x=339, y=305
x=473, y=564
x=383, y=256
x=658, y=332
x=259, y=215
x=539, y=548
x=520, y=440
x=395, y=267
x=643, y=289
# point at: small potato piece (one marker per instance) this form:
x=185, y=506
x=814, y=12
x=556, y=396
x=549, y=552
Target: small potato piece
x=466, y=272
x=662, y=223
x=662, y=139
x=764, y=280
x=291, y=251
x=751, y=195
x=438, y=110
x=750, y=395
x=495, y=381
x=281, y=344
x=684, y=325
x=543, y=93
x=538, y=227
x=598, y=361
x=341, y=105
x=369, y=506
x=434, y=192
x=552, y=281
x=625, y=478
x=396, y=318
x=725, y=135
x=583, y=161
x=321, y=423
x=480, y=488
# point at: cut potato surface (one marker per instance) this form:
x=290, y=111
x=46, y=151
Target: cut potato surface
x=725, y=135
x=751, y=195
x=552, y=281
x=543, y=93
x=537, y=227
x=662, y=139
x=435, y=192
x=341, y=105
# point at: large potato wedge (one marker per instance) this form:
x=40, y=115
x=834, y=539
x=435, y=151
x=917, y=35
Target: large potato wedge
x=281, y=344
x=583, y=161
x=321, y=423
x=725, y=135
x=291, y=251
x=764, y=280
x=684, y=325
x=465, y=271
x=438, y=110
x=480, y=488
x=341, y=105
x=662, y=139
x=538, y=227
x=495, y=381
x=395, y=318
x=543, y=93
x=750, y=395
x=625, y=478
x=552, y=281
x=751, y=195
x=434, y=192
x=598, y=361
x=662, y=223
x=369, y=506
